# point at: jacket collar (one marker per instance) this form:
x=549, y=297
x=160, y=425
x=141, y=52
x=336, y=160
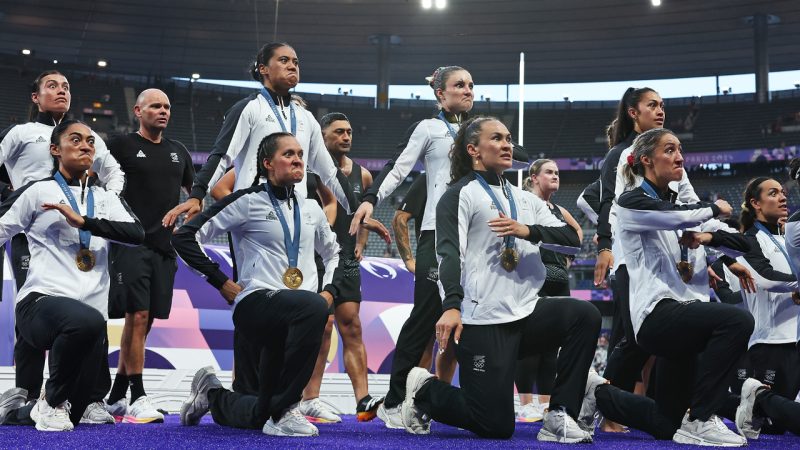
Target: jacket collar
x=281, y=192
x=286, y=99
x=46, y=118
x=668, y=195
x=773, y=228
x=90, y=181
x=491, y=178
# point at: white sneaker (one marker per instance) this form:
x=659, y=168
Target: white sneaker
x=96, y=413
x=414, y=420
x=531, y=412
x=142, y=411
x=588, y=417
x=317, y=411
x=197, y=405
x=558, y=426
x=48, y=418
x=11, y=400
x=293, y=423
x=712, y=432
x=391, y=417
x=747, y=423
x=118, y=409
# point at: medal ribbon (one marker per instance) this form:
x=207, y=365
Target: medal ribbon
x=508, y=241
x=764, y=229
x=447, y=124
x=292, y=243
x=84, y=236
x=292, y=117
x=652, y=193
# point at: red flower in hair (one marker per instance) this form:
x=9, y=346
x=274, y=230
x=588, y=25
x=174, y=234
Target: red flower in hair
x=630, y=159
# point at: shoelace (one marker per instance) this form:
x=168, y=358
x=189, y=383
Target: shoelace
x=295, y=414
x=62, y=411
x=718, y=423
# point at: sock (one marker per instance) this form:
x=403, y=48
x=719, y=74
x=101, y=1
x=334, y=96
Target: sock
x=119, y=390
x=137, y=387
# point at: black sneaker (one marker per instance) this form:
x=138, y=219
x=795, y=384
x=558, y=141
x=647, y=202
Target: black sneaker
x=367, y=408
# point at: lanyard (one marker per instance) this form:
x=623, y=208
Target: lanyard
x=83, y=235
x=508, y=240
x=447, y=124
x=292, y=243
x=652, y=193
x=764, y=229
x=292, y=117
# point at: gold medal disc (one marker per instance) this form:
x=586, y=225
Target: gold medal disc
x=686, y=270
x=293, y=278
x=509, y=258
x=85, y=260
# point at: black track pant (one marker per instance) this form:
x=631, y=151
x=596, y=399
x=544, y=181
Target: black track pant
x=420, y=326
x=28, y=361
x=778, y=366
x=487, y=357
x=626, y=358
x=540, y=369
x=699, y=344
x=287, y=327
x=74, y=333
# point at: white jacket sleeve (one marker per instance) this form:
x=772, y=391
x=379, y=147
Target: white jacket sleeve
x=106, y=167
x=325, y=243
x=18, y=211
x=419, y=141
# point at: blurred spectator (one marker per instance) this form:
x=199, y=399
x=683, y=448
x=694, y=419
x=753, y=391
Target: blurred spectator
x=601, y=354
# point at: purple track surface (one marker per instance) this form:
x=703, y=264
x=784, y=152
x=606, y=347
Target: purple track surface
x=349, y=434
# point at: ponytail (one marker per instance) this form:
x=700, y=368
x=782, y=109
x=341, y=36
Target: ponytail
x=263, y=57
x=622, y=126
x=460, y=160
x=747, y=218
x=534, y=169
x=644, y=145
x=438, y=80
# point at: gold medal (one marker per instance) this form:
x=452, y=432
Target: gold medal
x=85, y=260
x=686, y=270
x=293, y=278
x=509, y=258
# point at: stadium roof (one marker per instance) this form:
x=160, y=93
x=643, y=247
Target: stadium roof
x=564, y=40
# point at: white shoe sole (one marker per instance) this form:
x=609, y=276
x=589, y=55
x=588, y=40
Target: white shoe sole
x=547, y=436
x=97, y=422
x=39, y=426
x=313, y=419
x=51, y=429
x=682, y=437
x=743, y=413
x=384, y=416
x=413, y=384
x=189, y=416
x=142, y=420
x=272, y=430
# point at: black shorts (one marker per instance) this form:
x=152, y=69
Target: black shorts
x=141, y=280
x=347, y=278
